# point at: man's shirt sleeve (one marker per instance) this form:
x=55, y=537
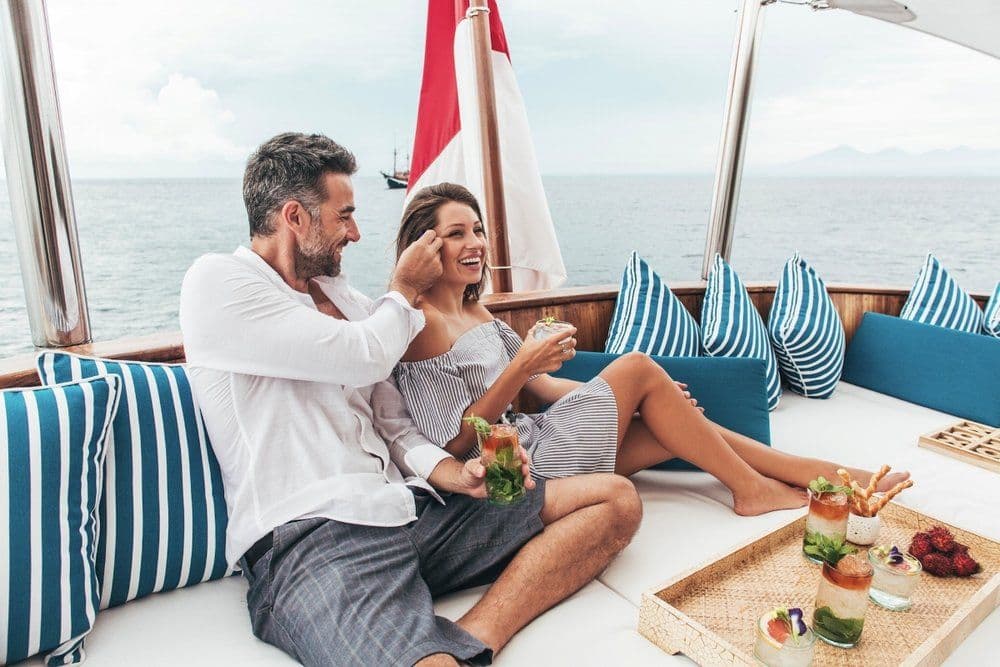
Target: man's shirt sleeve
x=412, y=453
x=234, y=319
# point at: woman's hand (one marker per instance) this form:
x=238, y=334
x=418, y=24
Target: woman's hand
x=687, y=394
x=545, y=356
x=472, y=479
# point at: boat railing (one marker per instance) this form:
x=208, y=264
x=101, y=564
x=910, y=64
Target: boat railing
x=589, y=308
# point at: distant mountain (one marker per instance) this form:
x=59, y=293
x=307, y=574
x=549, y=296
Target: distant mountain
x=848, y=161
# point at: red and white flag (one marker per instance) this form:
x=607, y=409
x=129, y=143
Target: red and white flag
x=443, y=152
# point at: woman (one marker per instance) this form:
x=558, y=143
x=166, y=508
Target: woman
x=628, y=418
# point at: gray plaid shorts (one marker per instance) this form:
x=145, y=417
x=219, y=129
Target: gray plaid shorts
x=331, y=593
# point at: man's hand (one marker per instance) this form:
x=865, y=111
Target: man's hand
x=418, y=267
x=470, y=479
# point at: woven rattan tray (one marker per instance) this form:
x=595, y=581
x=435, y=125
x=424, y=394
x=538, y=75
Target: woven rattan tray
x=709, y=613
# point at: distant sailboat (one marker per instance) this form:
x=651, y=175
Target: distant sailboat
x=399, y=178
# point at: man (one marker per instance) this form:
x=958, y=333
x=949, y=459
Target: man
x=334, y=508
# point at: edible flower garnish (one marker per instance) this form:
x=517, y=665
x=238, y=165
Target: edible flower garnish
x=792, y=617
x=823, y=485
x=481, y=426
x=895, y=556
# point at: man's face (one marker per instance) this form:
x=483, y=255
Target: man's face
x=329, y=232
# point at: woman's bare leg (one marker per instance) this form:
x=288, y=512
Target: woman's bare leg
x=792, y=469
x=680, y=429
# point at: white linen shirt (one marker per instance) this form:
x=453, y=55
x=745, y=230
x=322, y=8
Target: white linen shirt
x=301, y=415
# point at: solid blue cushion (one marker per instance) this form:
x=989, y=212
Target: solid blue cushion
x=649, y=318
x=937, y=299
x=947, y=370
x=730, y=389
x=731, y=325
x=806, y=333
x=163, y=512
x=52, y=453
x=991, y=320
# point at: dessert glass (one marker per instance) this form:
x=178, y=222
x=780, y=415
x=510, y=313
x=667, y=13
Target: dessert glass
x=827, y=517
x=504, y=480
x=792, y=652
x=896, y=575
x=841, y=601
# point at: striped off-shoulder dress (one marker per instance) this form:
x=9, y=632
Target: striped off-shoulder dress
x=577, y=434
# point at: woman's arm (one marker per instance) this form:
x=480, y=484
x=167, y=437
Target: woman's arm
x=535, y=357
x=490, y=406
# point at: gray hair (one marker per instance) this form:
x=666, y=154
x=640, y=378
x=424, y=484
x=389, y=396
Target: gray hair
x=286, y=167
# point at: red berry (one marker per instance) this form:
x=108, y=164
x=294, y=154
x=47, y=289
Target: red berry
x=937, y=564
x=964, y=564
x=921, y=545
x=960, y=548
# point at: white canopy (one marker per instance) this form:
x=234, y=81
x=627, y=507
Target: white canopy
x=971, y=23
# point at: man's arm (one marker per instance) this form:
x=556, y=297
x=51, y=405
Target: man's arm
x=234, y=319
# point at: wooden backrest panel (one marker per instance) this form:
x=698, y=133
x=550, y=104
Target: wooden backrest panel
x=589, y=308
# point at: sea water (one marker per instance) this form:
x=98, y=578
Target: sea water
x=138, y=237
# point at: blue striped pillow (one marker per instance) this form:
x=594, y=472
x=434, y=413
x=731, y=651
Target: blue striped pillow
x=51, y=472
x=806, y=332
x=649, y=318
x=731, y=325
x=163, y=512
x=937, y=299
x=991, y=321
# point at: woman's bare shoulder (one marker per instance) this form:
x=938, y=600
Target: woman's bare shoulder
x=433, y=340
x=479, y=312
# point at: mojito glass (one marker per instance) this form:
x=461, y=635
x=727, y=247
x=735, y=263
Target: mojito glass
x=504, y=481
x=842, y=600
x=827, y=520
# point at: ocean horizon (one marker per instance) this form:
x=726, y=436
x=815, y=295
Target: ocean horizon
x=138, y=236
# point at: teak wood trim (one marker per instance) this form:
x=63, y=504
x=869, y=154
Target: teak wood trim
x=589, y=308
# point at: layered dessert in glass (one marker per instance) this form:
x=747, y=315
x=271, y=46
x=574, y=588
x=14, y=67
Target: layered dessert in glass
x=784, y=639
x=896, y=575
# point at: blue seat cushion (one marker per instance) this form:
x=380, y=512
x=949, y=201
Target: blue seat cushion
x=731, y=389
x=944, y=369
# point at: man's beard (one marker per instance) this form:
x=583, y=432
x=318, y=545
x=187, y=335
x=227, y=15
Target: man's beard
x=316, y=257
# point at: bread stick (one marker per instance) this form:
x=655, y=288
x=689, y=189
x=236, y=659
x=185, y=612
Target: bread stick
x=845, y=476
x=876, y=478
x=890, y=494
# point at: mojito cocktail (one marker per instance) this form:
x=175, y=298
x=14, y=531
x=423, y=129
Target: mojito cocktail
x=842, y=600
x=827, y=519
x=504, y=480
x=550, y=326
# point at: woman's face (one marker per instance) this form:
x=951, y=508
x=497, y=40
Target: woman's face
x=463, y=248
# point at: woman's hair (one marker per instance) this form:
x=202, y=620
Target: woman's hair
x=421, y=215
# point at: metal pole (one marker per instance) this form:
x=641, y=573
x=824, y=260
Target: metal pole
x=729, y=169
x=489, y=137
x=41, y=199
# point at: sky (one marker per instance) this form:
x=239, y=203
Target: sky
x=188, y=88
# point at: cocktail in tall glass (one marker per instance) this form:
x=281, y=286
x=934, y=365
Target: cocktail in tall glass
x=499, y=445
x=842, y=600
x=827, y=518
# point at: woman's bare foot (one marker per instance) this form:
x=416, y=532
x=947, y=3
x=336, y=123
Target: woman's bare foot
x=767, y=496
